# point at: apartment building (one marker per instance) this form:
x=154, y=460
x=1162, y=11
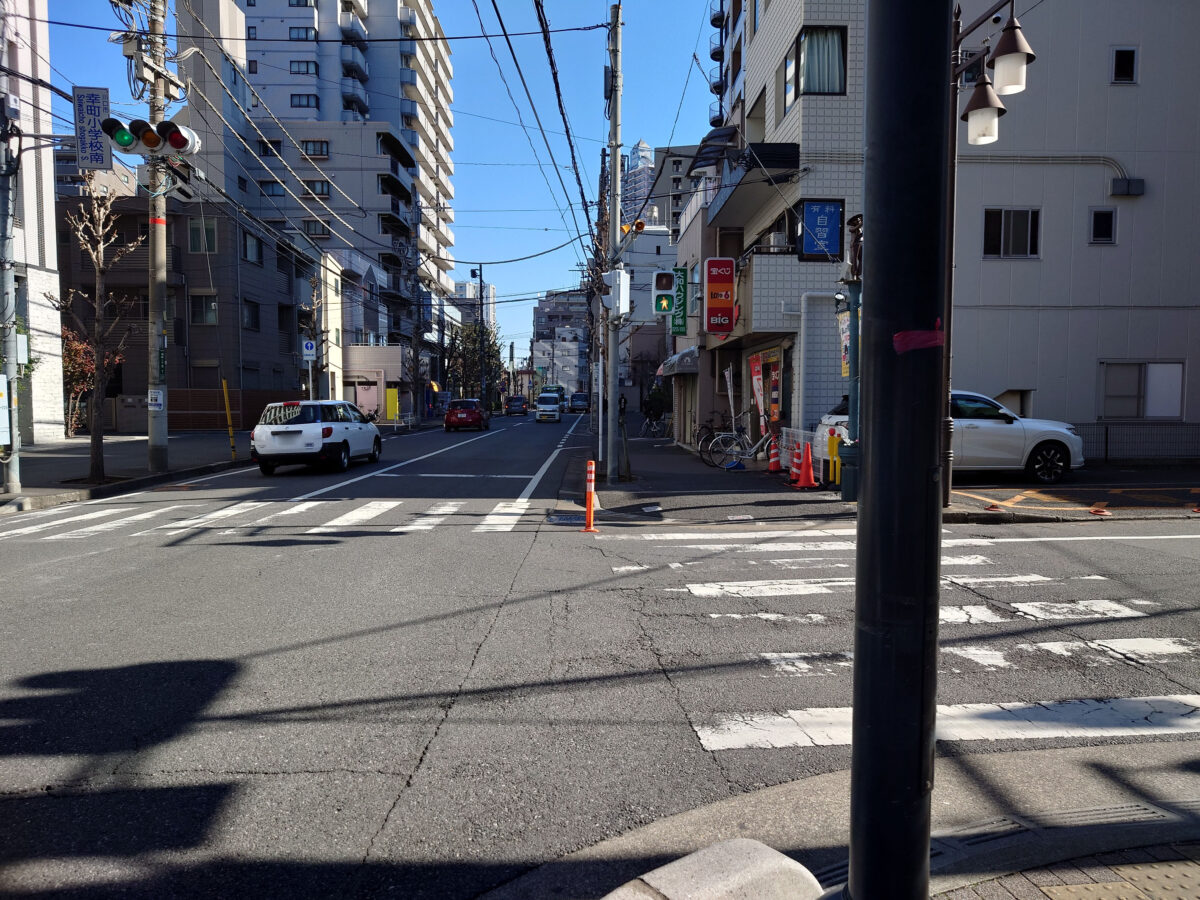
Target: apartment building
x=26, y=49
x=466, y=298
x=1073, y=297
x=338, y=126
x=560, y=349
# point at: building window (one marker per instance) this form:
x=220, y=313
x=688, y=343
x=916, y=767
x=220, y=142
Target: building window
x=302, y=3
x=785, y=84
x=1124, y=65
x=314, y=148
x=1142, y=390
x=252, y=67
x=821, y=67
x=1103, y=226
x=1010, y=233
x=252, y=248
x=243, y=185
x=306, y=101
x=316, y=228
x=250, y=315
x=269, y=148
x=286, y=320
x=303, y=67
x=202, y=235
x=251, y=33
x=204, y=309
x=252, y=2
x=317, y=188
x=677, y=165
x=271, y=188
x=302, y=34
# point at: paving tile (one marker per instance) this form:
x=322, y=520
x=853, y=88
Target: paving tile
x=1174, y=880
x=1021, y=887
x=1042, y=877
x=1117, y=890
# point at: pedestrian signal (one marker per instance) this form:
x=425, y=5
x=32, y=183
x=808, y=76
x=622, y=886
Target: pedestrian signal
x=664, y=292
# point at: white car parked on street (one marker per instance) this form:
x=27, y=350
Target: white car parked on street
x=313, y=432
x=988, y=436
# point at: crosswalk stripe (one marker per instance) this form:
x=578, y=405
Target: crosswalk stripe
x=504, y=517
x=1142, y=651
x=291, y=509
x=205, y=520
x=969, y=615
x=358, y=516
x=725, y=535
x=435, y=516
x=114, y=524
x=1133, y=717
x=804, y=619
x=44, y=526
x=1079, y=609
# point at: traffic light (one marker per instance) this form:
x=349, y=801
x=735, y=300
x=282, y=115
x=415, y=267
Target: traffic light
x=664, y=292
x=637, y=227
x=140, y=137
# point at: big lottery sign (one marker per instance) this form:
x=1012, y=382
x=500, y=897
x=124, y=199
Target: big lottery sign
x=719, y=313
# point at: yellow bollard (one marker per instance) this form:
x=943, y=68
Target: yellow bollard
x=835, y=460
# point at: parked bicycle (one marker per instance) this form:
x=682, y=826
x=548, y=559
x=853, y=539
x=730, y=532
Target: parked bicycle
x=704, y=432
x=656, y=428
x=729, y=449
x=729, y=429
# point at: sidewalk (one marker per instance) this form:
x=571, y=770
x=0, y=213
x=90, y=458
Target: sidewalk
x=55, y=473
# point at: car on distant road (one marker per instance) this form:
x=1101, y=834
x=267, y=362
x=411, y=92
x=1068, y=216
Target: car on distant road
x=549, y=408
x=516, y=405
x=988, y=436
x=313, y=432
x=580, y=402
x=466, y=413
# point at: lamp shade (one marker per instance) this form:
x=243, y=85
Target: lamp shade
x=982, y=113
x=1009, y=59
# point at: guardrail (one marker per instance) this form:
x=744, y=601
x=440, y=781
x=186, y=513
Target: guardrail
x=1108, y=441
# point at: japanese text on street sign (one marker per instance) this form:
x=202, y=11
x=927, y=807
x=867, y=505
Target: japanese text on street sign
x=822, y=229
x=679, y=310
x=91, y=108
x=718, y=295
x=310, y=351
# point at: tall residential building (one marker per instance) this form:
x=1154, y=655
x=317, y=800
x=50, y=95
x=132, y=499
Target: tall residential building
x=25, y=48
x=332, y=122
x=466, y=298
x=559, y=351
x=637, y=179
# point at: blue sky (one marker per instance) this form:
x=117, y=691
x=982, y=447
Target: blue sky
x=505, y=206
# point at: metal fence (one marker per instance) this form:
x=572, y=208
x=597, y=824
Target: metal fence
x=1108, y=441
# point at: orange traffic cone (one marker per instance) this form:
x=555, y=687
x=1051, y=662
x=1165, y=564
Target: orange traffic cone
x=773, y=457
x=806, y=479
x=794, y=468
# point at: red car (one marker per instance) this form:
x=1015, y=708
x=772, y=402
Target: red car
x=466, y=414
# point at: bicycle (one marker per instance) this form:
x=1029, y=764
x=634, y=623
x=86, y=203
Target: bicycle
x=706, y=445
x=704, y=432
x=729, y=449
x=656, y=428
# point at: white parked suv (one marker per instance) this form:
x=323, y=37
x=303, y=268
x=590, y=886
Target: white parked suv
x=313, y=432
x=989, y=436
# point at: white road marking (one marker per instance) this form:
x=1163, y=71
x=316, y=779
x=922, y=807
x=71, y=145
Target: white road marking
x=966, y=561
x=988, y=542
x=114, y=524
x=770, y=587
x=984, y=656
x=621, y=570
x=767, y=548
x=433, y=517
x=1127, y=717
x=808, y=665
x=504, y=517
x=290, y=510
x=969, y=615
x=724, y=535
x=1143, y=651
x=805, y=619
x=454, y=475
x=989, y=580
x=207, y=519
x=358, y=516
x=43, y=526
x=1080, y=609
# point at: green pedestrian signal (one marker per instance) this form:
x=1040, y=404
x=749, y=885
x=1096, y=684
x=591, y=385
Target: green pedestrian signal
x=664, y=292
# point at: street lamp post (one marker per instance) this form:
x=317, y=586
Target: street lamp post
x=984, y=109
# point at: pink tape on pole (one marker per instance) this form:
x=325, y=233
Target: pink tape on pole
x=907, y=341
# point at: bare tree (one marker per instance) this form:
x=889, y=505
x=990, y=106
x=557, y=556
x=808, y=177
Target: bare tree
x=94, y=227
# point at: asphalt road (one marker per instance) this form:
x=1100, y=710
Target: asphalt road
x=407, y=680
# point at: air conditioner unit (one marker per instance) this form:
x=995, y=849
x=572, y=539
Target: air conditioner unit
x=775, y=239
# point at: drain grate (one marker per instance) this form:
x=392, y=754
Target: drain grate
x=1105, y=815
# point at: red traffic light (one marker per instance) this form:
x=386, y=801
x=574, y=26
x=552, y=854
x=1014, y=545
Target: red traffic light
x=178, y=138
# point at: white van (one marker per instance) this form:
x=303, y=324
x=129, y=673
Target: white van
x=549, y=408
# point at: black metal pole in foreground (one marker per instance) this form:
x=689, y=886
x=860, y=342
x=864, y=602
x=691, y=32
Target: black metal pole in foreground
x=899, y=511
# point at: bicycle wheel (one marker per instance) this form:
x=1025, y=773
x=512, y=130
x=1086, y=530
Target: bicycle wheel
x=704, y=445
x=699, y=433
x=724, y=449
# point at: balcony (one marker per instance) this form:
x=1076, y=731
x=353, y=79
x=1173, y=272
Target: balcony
x=716, y=80
x=406, y=47
x=353, y=28
x=716, y=13
x=406, y=17
x=408, y=107
x=716, y=116
x=352, y=115
x=411, y=137
x=745, y=191
x=354, y=63
x=355, y=94
x=716, y=47
x=408, y=76
x=360, y=7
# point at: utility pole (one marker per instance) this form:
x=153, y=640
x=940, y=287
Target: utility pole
x=614, y=239
x=156, y=382
x=899, y=510
x=482, y=376
x=9, y=163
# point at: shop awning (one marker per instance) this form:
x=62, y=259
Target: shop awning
x=686, y=362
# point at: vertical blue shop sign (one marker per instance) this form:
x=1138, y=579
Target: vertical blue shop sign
x=821, y=236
